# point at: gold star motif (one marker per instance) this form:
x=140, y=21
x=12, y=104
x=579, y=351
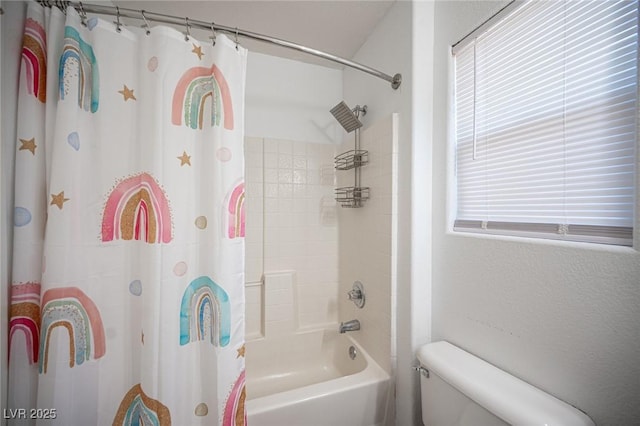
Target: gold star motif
x=29, y=145
x=58, y=200
x=240, y=352
x=127, y=93
x=197, y=50
x=184, y=159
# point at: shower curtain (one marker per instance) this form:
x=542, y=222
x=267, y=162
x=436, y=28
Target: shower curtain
x=127, y=295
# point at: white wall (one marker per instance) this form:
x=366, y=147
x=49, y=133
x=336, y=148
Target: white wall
x=406, y=29
x=291, y=100
x=563, y=317
x=11, y=37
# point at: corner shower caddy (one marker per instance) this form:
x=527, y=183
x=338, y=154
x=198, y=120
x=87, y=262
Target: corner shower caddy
x=351, y=196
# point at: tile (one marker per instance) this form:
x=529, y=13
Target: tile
x=270, y=145
x=271, y=236
x=253, y=174
x=299, y=176
x=254, y=189
x=285, y=204
x=271, y=205
x=313, y=163
x=285, y=147
x=252, y=144
x=271, y=175
x=300, y=162
x=271, y=160
x=313, y=177
x=285, y=190
x=285, y=161
x=299, y=148
x=299, y=204
x=271, y=190
x=285, y=176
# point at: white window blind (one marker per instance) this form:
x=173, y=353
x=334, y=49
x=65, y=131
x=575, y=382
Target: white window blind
x=546, y=123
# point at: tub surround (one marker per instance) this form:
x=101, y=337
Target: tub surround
x=291, y=229
x=366, y=249
x=297, y=241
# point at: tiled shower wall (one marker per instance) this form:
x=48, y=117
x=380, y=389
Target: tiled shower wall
x=366, y=248
x=291, y=236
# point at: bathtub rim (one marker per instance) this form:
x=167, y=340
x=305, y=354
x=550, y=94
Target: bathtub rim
x=371, y=374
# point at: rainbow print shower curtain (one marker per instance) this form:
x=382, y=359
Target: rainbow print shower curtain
x=127, y=295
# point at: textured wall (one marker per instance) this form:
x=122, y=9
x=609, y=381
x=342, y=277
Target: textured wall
x=392, y=47
x=562, y=316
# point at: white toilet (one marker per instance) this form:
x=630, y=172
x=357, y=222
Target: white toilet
x=461, y=389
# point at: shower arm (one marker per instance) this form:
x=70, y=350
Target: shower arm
x=122, y=12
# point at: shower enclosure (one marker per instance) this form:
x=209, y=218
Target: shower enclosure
x=303, y=255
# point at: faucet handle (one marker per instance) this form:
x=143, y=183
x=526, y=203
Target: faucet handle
x=356, y=295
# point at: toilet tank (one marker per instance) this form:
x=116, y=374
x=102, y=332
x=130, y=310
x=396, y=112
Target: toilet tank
x=458, y=388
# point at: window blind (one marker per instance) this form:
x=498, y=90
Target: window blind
x=546, y=123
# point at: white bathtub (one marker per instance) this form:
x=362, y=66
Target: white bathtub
x=308, y=379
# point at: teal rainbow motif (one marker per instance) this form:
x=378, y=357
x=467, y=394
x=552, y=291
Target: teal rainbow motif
x=196, y=86
x=70, y=308
x=136, y=409
x=205, y=310
x=75, y=49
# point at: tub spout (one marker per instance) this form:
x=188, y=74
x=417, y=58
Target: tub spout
x=349, y=326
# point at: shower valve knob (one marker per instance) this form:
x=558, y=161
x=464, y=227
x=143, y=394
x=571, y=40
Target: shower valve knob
x=356, y=294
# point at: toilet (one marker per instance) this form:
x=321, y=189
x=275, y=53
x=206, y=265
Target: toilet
x=457, y=388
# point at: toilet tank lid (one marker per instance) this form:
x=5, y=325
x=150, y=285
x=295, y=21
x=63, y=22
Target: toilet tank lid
x=513, y=400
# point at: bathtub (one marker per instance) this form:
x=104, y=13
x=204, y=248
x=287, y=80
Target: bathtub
x=309, y=379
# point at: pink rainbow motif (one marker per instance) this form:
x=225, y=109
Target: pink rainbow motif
x=34, y=59
x=70, y=308
x=235, y=413
x=137, y=208
x=236, y=214
x=24, y=316
x=195, y=86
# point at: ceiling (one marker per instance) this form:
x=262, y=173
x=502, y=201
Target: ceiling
x=336, y=27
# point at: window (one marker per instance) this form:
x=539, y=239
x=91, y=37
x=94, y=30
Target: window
x=546, y=124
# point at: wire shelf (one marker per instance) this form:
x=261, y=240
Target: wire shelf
x=351, y=159
x=352, y=196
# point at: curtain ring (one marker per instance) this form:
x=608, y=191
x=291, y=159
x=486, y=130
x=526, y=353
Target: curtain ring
x=187, y=32
x=213, y=35
x=83, y=15
x=117, y=22
x=146, y=23
x=236, y=38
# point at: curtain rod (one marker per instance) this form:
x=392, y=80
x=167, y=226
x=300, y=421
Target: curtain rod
x=81, y=8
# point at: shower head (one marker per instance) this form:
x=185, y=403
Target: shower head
x=346, y=117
